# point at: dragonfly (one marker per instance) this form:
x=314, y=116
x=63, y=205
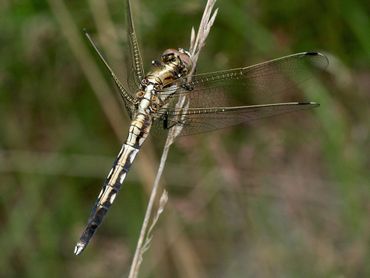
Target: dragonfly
x=150, y=100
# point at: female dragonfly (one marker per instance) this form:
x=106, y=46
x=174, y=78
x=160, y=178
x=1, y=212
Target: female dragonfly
x=152, y=96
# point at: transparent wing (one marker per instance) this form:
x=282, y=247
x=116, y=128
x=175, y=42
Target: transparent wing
x=127, y=98
x=198, y=120
x=135, y=70
x=226, y=98
x=272, y=81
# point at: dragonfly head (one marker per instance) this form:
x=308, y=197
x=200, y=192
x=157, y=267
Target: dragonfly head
x=180, y=58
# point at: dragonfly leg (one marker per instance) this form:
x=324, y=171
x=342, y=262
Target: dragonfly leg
x=165, y=121
x=166, y=124
x=187, y=86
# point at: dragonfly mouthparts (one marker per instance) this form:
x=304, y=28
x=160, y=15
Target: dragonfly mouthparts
x=80, y=246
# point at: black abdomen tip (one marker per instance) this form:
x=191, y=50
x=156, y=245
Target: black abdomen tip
x=308, y=103
x=312, y=53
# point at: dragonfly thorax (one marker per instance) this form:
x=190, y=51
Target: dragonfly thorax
x=147, y=101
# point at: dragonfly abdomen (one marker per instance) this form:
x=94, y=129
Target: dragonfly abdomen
x=108, y=193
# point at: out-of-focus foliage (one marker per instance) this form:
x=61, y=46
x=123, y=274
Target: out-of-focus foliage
x=287, y=197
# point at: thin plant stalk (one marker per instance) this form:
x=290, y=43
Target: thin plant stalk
x=196, y=44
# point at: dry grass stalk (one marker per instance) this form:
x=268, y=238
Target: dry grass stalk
x=196, y=44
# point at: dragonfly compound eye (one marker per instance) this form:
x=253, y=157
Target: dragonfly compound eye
x=169, y=55
x=186, y=61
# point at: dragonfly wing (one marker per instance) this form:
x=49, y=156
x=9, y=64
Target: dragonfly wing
x=198, y=120
x=271, y=81
x=218, y=100
x=127, y=98
x=135, y=66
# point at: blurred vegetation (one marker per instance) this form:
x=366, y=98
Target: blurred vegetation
x=286, y=197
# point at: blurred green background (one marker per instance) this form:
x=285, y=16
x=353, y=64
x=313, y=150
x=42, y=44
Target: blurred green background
x=284, y=197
